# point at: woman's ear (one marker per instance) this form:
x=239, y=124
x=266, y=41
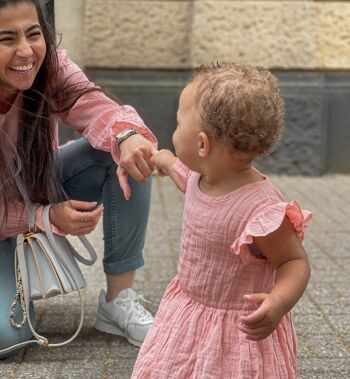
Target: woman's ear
x=204, y=145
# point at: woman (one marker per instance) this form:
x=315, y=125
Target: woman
x=39, y=86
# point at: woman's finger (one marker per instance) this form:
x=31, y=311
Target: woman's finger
x=89, y=218
x=138, y=168
x=123, y=182
x=82, y=205
x=82, y=228
x=82, y=231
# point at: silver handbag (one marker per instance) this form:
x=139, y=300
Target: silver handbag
x=46, y=266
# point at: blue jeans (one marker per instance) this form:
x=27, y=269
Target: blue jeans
x=90, y=175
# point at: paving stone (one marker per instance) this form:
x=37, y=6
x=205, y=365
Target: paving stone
x=37, y=370
x=82, y=369
x=324, y=368
x=321, y=317
x=7, y=368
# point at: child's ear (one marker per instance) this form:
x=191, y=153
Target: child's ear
x=203, y=145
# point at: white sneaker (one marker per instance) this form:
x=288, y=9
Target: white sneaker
x=124, y=316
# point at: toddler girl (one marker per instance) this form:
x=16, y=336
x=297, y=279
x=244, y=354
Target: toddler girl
x=242, y=264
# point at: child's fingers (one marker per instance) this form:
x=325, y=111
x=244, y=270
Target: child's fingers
x=263, y=333
x=255, y=298
x=259, y=314
x=252, y=332
x=255, y=317
x=256, y=332
x=160, y=171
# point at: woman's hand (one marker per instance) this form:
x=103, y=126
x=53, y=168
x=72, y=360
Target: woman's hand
x=263, y=321
x=75, y=217
x=135, y=160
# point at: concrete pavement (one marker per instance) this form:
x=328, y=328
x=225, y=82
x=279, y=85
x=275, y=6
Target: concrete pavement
x=321, y=317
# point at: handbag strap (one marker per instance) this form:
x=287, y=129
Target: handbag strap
x=31, y=217
x=83, y=240
x=39, y=339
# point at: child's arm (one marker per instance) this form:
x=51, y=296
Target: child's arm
x=285, y=251
x=164, y=162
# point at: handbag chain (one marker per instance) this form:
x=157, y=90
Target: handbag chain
x=19, y=298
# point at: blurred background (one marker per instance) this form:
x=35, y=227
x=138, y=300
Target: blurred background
x=143, y=52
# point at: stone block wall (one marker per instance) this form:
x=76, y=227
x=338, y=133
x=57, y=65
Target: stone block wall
x=130, y=44
x=171, y=34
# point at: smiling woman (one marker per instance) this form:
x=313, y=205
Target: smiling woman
x=26, y=64
x=40, y=86
x=22, y=49
x=17, y=49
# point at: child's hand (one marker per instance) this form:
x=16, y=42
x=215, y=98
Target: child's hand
x=263, y=321
x=163, y=161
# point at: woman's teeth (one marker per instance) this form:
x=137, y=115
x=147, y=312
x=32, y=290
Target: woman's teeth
x=22, y=68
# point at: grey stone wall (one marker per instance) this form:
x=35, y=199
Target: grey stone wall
x=303, y=149
x=317, y=129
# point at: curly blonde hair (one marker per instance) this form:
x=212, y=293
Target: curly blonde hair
x=240, y=105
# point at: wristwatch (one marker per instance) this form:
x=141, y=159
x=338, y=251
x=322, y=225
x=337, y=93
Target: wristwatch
x=123, y=135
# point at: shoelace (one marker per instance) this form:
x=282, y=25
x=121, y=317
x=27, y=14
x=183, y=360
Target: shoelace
x=135, y=306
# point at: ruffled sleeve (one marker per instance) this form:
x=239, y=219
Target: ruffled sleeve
x=183, y=173
x=266, y=222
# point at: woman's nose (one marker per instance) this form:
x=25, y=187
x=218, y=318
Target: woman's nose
x=24, y=49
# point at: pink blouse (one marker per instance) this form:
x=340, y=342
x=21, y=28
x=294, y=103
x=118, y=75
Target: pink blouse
x=95, y=116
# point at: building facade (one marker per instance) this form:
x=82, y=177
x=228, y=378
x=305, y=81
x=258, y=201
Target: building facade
x=144, y=50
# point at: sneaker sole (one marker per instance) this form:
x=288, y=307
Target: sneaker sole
x=115, y=330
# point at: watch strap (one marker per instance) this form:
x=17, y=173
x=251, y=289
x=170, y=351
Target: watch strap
x=123, y=135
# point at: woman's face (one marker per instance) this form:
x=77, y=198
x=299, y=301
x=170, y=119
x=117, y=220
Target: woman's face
x=22, y=48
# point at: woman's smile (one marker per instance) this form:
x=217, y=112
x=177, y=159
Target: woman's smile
x=22, y=69
x=22, y=48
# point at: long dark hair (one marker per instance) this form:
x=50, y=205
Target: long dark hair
x=31, y=176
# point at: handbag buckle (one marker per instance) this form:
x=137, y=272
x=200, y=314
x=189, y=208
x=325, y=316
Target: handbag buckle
x=30, y=232
x=44, y=342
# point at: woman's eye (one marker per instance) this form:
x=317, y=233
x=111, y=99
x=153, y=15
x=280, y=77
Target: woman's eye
x=5, y=40
x=34, y=35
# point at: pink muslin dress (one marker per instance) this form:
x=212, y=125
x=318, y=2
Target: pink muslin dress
x=195, y=333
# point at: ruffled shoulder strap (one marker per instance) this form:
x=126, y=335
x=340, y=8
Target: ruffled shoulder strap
x=266, y=222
